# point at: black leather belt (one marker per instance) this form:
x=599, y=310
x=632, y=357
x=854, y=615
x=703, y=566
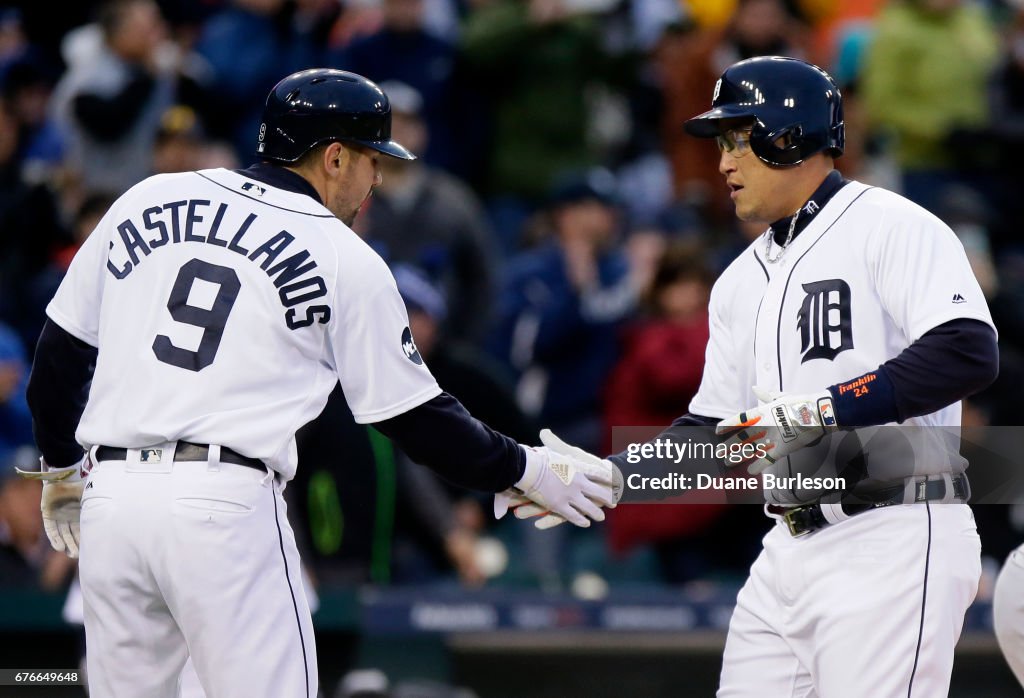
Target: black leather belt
x=805, y=519
x=186, y=451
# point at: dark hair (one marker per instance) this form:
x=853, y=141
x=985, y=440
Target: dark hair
x=313, y=155
x=94, y=205
x=25, y=73
x=682, y=260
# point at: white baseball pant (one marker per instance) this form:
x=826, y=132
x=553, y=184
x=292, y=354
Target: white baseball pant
x=870, y=606
x=195, y=559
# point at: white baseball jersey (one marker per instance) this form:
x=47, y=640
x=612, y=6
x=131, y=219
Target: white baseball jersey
x=225, y=310
x=870, y=274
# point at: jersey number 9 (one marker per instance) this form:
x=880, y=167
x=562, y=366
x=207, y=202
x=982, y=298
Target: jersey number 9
x=211, y=320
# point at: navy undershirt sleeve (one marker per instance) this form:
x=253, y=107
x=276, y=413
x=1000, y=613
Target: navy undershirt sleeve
x=58, y=389
x=442, y=435
x=689, y=427
x=695, y=420
x=948, y=363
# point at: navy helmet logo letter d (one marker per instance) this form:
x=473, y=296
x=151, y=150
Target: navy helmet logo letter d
x=825, y=321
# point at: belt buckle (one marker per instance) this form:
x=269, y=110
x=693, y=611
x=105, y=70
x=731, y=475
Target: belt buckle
x=792, y=524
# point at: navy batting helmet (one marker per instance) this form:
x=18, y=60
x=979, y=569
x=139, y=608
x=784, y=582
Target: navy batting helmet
x=795, y=108
x=322, y=105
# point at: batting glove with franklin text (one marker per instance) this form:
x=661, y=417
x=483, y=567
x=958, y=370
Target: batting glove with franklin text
x=61, y=503
x=591, y=465
x=780, y=426
x=561, y=484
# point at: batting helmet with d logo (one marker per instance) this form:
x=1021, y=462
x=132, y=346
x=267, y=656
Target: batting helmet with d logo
x=795, y=109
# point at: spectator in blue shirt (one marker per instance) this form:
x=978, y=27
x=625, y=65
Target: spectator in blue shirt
x=15, y=420
x=560, y=306
x=404, y=50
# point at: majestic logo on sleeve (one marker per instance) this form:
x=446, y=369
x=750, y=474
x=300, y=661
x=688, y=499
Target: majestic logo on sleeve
x=825, y=322
x=409, y=347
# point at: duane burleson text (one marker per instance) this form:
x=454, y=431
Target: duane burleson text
x=703, y=481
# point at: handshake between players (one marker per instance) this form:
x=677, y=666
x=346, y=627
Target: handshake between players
x=561, y=483
x=565, y=483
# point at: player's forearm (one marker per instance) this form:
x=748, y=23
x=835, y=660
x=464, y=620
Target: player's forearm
x=688, y=446
x=948, y=363
x=57, y=391
x=442, y=435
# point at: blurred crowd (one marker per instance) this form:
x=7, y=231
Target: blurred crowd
x=555, y=243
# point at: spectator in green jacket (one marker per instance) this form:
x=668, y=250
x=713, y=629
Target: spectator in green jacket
x=534, y=63
x=924, y=81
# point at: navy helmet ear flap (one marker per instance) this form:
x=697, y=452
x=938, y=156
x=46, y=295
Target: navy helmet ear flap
x=837, y=137
x=785, y=146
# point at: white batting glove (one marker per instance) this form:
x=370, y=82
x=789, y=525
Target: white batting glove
x=784, y=424
x=595, y=468
x=558, y=483
x=61, y=502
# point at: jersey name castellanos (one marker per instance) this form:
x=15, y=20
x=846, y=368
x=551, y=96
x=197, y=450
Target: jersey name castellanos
x=225, y=310
x=870, y=274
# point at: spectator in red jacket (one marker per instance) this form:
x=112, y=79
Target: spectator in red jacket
x=663, y=355
x=652, y=384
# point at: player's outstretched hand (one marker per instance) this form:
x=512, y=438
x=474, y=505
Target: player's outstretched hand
x=61, y=502
x=780, y=426
x=594, y=468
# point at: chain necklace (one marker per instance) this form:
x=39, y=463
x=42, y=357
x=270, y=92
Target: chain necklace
x=782, y=248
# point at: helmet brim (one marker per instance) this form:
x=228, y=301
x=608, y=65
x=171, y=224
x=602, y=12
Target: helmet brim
x=706, y=125
x=395, y=150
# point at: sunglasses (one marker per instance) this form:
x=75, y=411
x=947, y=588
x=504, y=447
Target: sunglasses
x=735, y=141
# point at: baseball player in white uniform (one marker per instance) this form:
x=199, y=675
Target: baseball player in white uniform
x=856, y=308
x=204, y=321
